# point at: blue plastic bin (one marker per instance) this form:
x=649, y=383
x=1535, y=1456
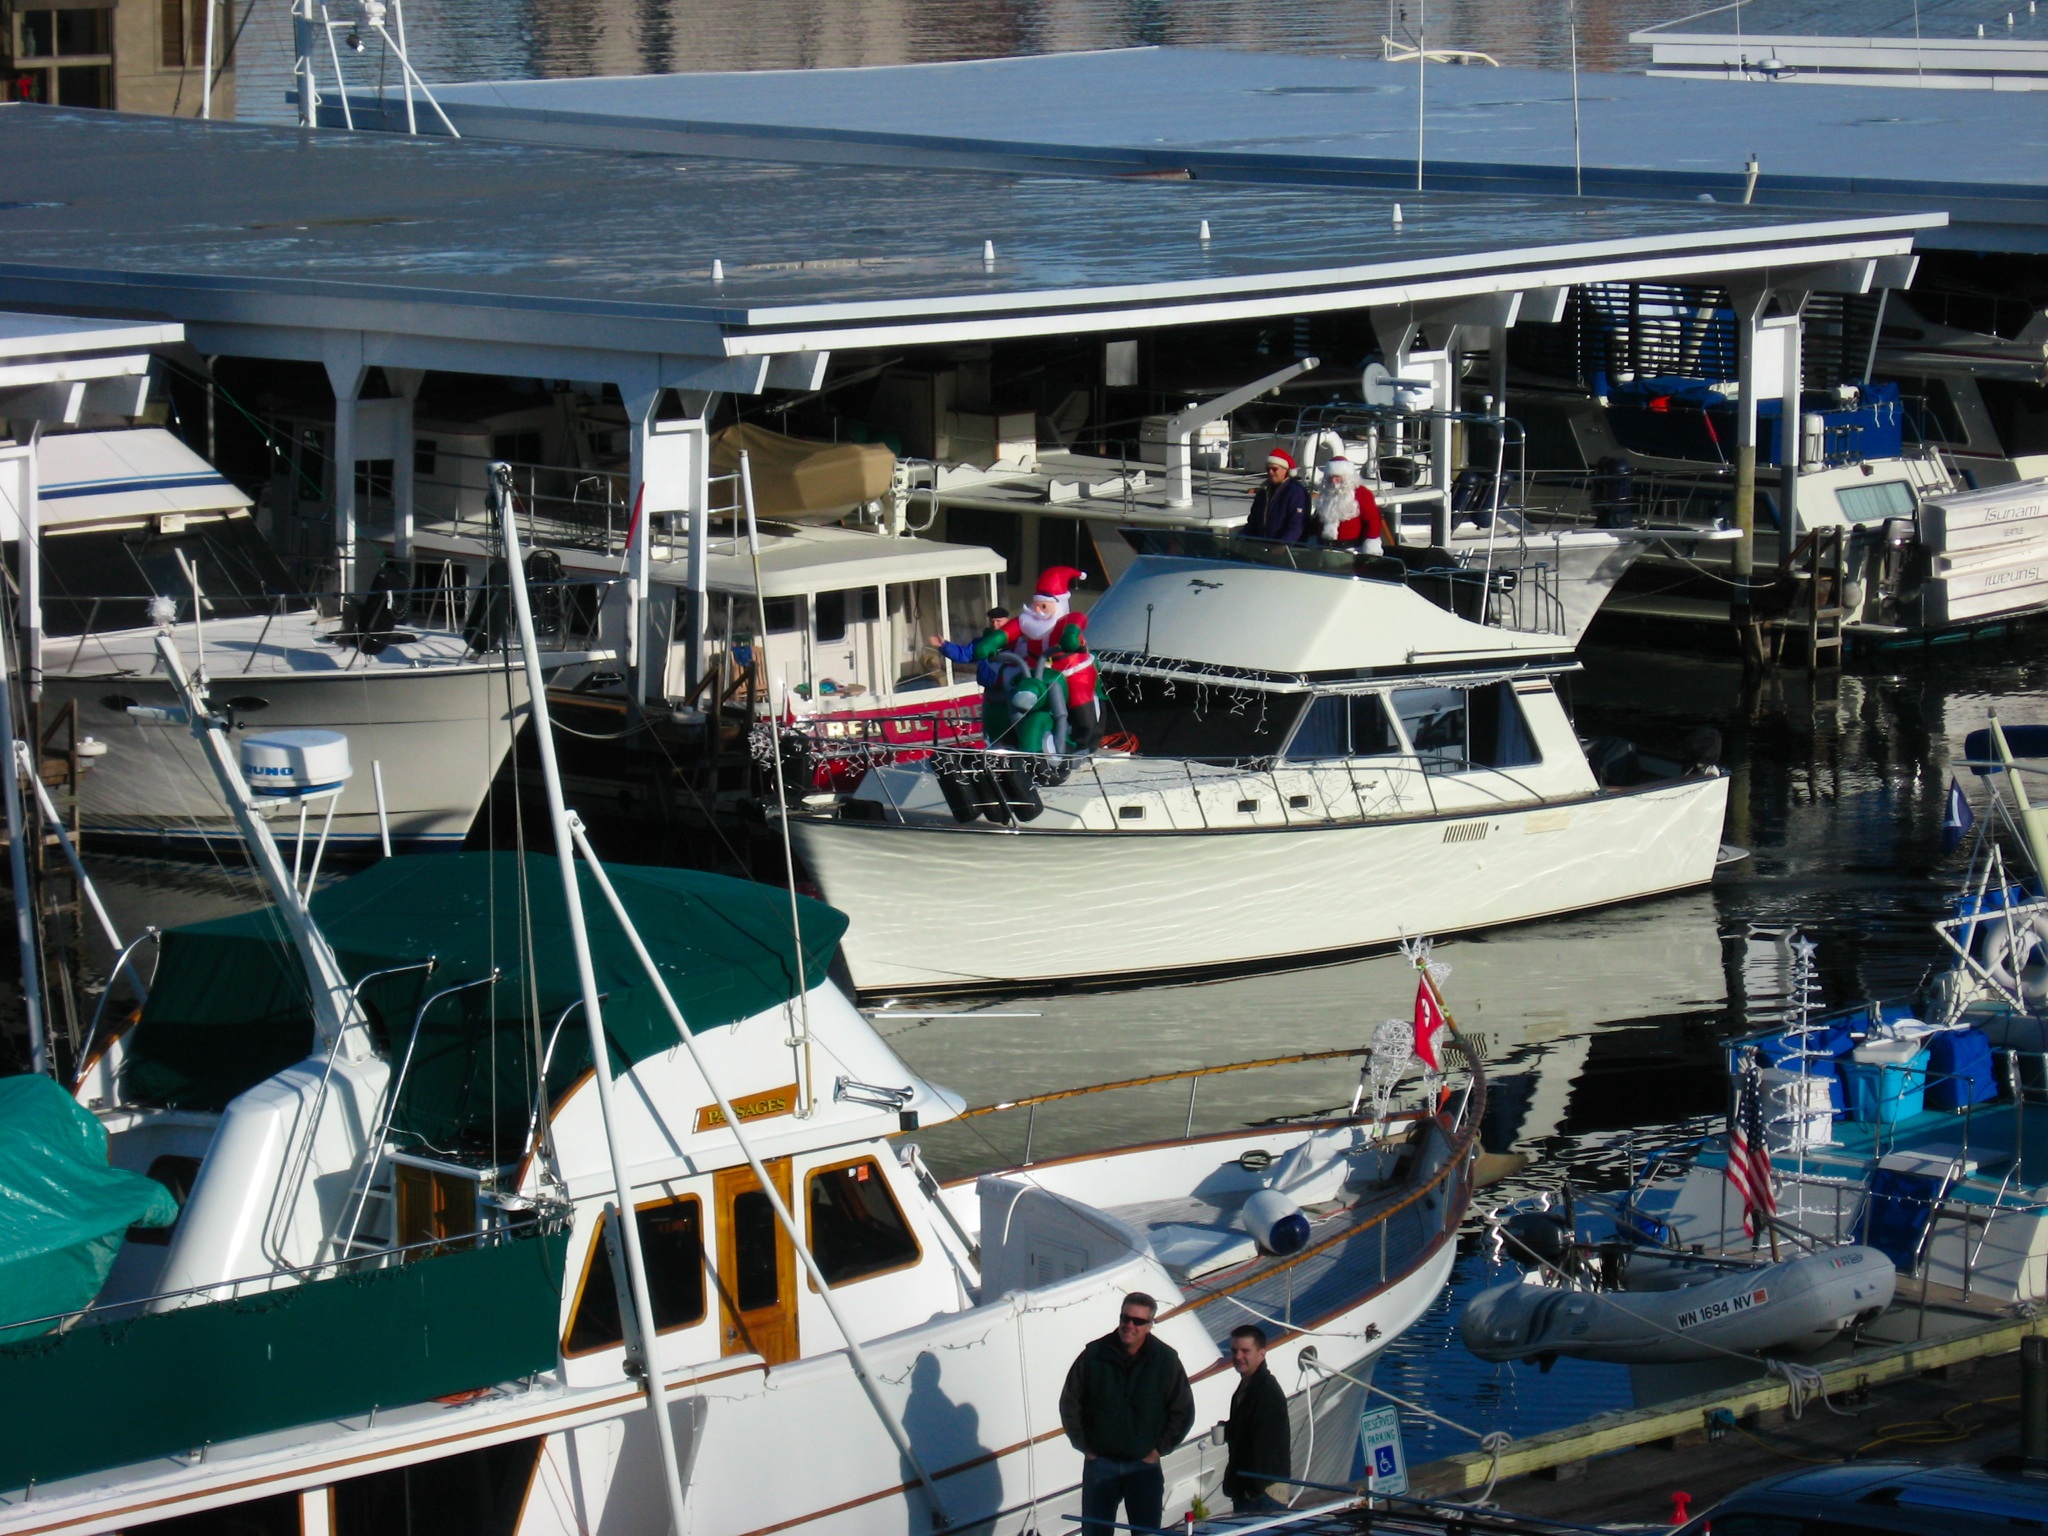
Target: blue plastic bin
x=1882, y=1093
x=1959, y=1069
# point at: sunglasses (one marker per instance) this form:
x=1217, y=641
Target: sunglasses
x=1134, y=1322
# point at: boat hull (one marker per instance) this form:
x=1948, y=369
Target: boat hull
x=439, y=735
x=959, y=908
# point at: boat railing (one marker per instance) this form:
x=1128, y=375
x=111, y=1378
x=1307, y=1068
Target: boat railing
x=1448, y=1110
x=569, y=613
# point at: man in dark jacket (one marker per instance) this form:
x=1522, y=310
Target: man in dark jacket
x=1279, y=507
x=1126, y=1403
x=1257, y=1432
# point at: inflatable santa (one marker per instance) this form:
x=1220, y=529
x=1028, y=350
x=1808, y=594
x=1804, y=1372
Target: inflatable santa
x=1049, y=631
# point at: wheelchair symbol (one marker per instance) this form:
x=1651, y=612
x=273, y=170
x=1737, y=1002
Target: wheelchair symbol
x=1383, y=1461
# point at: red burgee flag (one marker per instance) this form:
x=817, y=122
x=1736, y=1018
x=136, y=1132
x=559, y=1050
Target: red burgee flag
x=1429, y=1018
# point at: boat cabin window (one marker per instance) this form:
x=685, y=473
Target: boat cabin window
x=672, y=1244
x=433, y=1203
x=1344, y=725
x=1204, y=718
x=1874, y=503
x=1455, y=730
x=782, y=615
x=757, y=1274
x=832, y=612
x=103, y=579
x=856, y=1228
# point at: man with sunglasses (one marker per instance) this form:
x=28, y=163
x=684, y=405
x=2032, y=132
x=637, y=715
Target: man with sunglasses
x=1126, y=1403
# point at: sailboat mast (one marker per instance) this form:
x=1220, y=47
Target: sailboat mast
x=586, y=975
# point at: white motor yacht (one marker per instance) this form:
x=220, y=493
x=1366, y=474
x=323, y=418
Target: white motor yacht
x=1302, y=763
x=127, y=522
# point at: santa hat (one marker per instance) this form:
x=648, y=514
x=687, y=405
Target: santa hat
x=1058, y=581
x=1281, y=457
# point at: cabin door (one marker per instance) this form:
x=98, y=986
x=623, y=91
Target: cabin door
x=756, y=1266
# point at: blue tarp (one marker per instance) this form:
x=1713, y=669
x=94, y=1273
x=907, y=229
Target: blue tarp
x=63, y=1209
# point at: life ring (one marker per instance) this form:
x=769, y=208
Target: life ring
x=2010, y=949
x=1121, y=741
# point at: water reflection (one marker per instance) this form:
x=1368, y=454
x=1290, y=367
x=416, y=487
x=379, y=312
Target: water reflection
x=506, y=39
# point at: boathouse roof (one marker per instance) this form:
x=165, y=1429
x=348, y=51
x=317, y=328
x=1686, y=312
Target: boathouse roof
x=570, y=263
x=1281, y=118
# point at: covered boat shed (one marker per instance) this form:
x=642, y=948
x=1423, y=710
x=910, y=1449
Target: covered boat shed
x=675, y=278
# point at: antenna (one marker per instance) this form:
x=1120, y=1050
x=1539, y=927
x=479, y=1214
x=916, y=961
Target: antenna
x=311, y=17
x=1578, y=163
x=1421, y=86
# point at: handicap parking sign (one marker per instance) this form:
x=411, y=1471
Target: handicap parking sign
x=1379, y=1438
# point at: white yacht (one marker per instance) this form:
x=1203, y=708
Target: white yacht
x=127, y=521
x=1309, y=762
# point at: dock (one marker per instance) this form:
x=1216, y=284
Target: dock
x=1953, y=1397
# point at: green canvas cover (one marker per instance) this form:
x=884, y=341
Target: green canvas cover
x=63, y=1210
x=229, y=1006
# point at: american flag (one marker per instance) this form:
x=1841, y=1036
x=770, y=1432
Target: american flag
x=1749, y=1155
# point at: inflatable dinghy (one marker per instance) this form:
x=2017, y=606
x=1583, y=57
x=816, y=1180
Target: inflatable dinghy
x=1798, y=1304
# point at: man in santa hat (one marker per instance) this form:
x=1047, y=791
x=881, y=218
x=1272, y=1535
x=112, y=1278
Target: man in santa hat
x=1347, y=513
x=1280, y=508
x=1049, y=631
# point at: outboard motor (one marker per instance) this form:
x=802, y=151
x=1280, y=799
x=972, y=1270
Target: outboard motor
x=1703, y=751
x=1537, y=1237
x=1275, y=1222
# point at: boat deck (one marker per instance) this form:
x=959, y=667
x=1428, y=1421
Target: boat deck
x=1356, y=1244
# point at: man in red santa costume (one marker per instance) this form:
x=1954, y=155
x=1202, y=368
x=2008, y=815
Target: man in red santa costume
x=1347, y=513
x=1048, y=630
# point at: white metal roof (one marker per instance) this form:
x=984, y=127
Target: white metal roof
x=92, y=477
x=1264, y=619
x=806, y=560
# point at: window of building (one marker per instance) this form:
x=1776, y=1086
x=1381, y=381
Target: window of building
x=672, y=1244
x=856, y=1228
x=62, y=57
x=171, y=17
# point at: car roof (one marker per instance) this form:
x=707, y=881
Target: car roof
x=1902, y=1486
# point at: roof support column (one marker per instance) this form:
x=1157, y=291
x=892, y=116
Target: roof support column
x=1789, y=434
x=406, y=381
x=1749, y=310
x=1444, y=437
x=671, y=465
x=346, y=378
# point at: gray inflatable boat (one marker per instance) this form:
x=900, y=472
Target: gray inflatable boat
x=1676, y=1310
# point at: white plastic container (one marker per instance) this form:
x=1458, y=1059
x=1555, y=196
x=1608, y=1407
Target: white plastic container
x=1879, y=1053
x=295, y=765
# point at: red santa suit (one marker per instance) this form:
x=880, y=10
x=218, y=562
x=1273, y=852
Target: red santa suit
x=1058, y=638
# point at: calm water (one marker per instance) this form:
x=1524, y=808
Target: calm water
x=1601, y=1030
x=521, y=39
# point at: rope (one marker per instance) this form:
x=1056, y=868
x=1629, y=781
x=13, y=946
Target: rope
x=1493, y=1442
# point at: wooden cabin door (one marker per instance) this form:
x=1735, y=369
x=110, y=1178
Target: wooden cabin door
x=756, y=1266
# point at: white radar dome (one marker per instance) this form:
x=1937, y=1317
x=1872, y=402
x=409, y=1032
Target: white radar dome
x=292, y=765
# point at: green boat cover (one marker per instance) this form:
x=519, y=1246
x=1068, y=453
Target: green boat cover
x=230, y=1005
x=63, y=1210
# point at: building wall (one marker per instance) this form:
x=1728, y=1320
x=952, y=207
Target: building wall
x=129, y=55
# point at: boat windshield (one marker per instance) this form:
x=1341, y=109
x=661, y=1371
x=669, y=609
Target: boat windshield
x=103, y=579
x=1212, y=719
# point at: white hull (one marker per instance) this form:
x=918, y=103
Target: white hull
x=939, y=907
x=439, y=733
